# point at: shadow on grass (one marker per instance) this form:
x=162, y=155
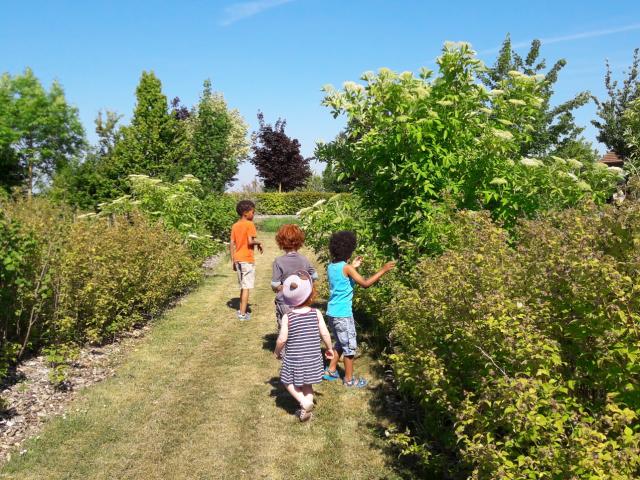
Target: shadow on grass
x=269, y=341
x=234, y=304
x=282, y=398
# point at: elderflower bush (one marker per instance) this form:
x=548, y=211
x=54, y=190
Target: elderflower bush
x=202, y=221
x=414, y=143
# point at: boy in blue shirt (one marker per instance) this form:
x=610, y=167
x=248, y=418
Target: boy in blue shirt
x=342, y=277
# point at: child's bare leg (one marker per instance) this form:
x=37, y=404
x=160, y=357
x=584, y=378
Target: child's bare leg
x=244, y=300
x=333, y=365
x=296, y=392
x=307, y=391
x=348, y=368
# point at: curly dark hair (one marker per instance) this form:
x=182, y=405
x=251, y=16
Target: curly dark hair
x=245, y=206
x=342, y=244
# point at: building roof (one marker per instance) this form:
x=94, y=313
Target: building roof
x=611, y=159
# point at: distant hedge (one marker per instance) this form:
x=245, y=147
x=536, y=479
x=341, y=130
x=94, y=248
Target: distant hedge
x=286, y=203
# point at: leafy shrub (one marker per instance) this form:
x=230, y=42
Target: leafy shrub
x=412, y=145
x=114, y=276
x=525, y=360
x=202, y=221
x=286, y=203
x=67, y=282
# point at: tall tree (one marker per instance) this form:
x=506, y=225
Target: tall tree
x=155, y=143
x=85, y=182
x=554, y=129
x=277, y=157
x=39, y=130
x=612, y=124
x=211, y=161
x=107, y=131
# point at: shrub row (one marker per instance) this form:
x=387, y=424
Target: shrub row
x=526, y=360
x=64, y=282
x=520, y=350
x=286, y=203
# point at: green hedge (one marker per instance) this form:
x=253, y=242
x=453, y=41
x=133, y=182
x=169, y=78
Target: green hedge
x=286, y=203
x=64, y=282
x=519, y=352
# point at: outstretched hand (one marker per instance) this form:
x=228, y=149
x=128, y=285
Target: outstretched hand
x=389, y=266
x=260, y=248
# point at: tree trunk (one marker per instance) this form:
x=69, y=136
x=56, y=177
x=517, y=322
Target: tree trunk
x=280, y=187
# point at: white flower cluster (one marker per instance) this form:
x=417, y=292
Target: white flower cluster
x=531, y=162
x=502, y=134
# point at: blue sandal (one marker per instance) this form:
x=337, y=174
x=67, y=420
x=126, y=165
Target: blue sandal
x=355, y=383
x=329, y=375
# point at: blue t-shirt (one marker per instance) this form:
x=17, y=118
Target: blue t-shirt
x=340, y=291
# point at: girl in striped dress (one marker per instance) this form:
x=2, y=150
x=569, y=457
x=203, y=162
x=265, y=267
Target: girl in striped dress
x=298, y=343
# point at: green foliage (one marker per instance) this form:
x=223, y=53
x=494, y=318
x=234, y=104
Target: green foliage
x=286, y=203
x=525, y=361
x=155, y=142
x=632, y=136
x=420, y=147
x=203, y=222
x=333, y=155
x=314, y=183
x=65, y=282
x=39, y=130
x=553, y=128
x=612, y=123
x=218, y=141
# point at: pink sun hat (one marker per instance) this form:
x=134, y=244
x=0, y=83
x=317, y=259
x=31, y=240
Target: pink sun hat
x=297, y=288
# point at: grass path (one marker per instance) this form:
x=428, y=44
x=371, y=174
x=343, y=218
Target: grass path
x=199, y=398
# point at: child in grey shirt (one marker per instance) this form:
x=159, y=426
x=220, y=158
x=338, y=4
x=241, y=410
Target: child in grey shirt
x=290, y=238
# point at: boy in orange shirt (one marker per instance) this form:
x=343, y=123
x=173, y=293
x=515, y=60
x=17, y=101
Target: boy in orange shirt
x=243, y=241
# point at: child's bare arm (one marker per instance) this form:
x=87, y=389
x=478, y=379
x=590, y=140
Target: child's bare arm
x=253, y=241
x=350, y=271
x=324, y=334
x=232, y=252
x=282, y=337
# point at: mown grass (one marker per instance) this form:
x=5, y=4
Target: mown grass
x=271, y=225
x=200, y=398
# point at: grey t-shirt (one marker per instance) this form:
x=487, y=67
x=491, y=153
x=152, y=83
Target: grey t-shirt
x=286, y=265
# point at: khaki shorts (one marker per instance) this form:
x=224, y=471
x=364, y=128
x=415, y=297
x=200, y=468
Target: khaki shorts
x=246, y=274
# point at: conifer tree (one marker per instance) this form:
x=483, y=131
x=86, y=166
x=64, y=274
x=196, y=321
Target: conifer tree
x=155, y=143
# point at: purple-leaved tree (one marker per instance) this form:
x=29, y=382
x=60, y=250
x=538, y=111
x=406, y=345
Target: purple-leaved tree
x=277, y=157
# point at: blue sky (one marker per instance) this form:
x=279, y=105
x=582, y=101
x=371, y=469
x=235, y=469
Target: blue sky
x=275, y=55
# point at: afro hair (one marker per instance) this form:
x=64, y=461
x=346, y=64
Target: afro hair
x=342, y=244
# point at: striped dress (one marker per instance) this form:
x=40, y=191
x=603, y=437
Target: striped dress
x=302, y=364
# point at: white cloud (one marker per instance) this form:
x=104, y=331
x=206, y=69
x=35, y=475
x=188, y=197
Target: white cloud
x=572, y=37
x=239, y=11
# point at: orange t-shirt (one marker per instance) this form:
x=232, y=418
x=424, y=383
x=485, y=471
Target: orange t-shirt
x=241, y=231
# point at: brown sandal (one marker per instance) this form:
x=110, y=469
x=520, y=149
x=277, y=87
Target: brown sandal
x=305, y=415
